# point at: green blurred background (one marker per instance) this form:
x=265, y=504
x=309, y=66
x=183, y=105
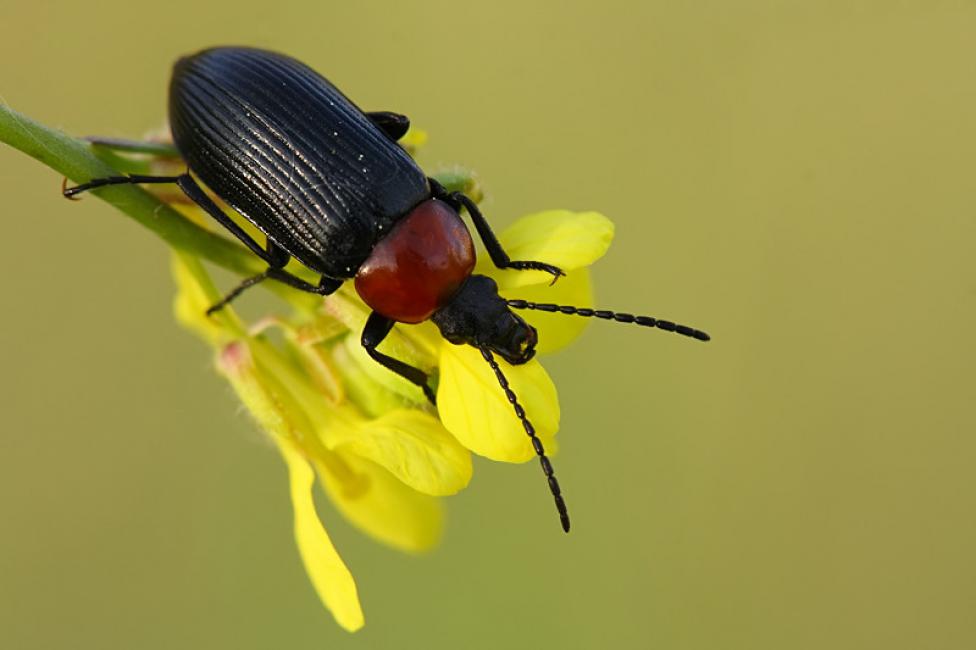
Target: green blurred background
x=795, y=178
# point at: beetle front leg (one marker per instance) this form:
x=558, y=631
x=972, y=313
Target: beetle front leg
x=377, y=327
x=498, y=255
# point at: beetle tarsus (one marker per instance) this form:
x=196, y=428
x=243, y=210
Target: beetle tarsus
x=555, y=271
x=245, y=284
x=67, y=192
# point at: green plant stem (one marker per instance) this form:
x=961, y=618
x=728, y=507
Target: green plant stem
x=74, y=159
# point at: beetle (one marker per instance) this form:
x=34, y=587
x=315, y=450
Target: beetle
x=328, y=185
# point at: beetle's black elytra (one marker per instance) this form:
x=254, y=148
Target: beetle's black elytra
x=328, y=185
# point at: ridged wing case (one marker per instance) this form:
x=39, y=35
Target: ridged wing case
x=285, y=148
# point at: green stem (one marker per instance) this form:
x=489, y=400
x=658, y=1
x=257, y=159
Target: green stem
x=74, y=159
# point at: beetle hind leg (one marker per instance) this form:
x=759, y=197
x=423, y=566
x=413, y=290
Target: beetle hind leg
x=132, y=179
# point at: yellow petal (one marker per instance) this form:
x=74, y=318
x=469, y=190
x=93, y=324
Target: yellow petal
x=556, y=331
x=424, y=335
x=414, y=446
x=383, y=507
x=413, y=140
x=274, y=391
x=410, y=344
x=473, y=406
x=301, y=345
x=400, y=348
x=345, y=306
x=329, y=575
x=360, y=387
x=195, y=293
x=569, y=240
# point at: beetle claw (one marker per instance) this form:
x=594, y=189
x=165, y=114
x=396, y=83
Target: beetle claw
x=554, y=271
x=65, y=192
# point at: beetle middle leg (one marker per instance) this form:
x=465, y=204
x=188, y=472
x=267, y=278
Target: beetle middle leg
x=325, y=286
x=276, y=272
x=495, y=251
x=377, y=327
x=274, y=255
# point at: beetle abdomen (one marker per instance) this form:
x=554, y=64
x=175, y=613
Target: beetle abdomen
x=290, y=152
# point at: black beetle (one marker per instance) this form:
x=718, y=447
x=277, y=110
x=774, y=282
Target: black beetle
x=328, y=185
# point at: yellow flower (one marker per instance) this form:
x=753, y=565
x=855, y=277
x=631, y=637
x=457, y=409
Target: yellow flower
x=470, y=403
x=383, y=455
x=383, y=473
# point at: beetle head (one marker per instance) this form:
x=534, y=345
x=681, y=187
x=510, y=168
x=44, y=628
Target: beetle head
x=478, y=316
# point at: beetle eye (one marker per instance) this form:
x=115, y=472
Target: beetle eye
x=523, y=343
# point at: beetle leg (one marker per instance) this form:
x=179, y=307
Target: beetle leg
x=198, y=196
x=393, y=124
x=498, y=255
x=325, y=286
x=377, y=327
x=247, y=283
x=274, y=255
x=132, y=179
x=189, y=186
